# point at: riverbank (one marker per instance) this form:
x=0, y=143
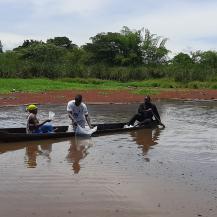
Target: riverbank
x=59, y=91
x=103, y=96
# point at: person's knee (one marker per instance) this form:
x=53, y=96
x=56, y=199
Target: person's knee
x=47, y=128
x=139, y=117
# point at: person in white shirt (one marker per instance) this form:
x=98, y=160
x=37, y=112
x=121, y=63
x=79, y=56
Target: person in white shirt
x=78, y=112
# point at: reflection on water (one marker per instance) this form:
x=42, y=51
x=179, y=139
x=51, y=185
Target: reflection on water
x=145, y=139
x=38, y=150
x=78, y=151
x=31, y=155
x=170, y=172
x=32, y=151
x=46, y=149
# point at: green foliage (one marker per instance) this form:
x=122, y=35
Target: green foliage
x=128, y=55
x=153, y=49
x=10, y=64
x=62, y=42
x=127, y=48
x=209, y=58
x=182, y=59
x=199, y=66
x=27, y=44
x=47, y=53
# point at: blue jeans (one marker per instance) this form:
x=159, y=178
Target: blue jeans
x=46, y=128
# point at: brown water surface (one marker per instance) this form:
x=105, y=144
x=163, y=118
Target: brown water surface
x=169, y=172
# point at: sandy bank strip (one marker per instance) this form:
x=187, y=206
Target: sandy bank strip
x=102, y=97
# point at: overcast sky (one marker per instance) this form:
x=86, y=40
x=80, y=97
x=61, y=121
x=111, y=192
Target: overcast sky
x=188, y=24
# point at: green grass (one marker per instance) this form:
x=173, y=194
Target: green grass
x=41, y=85
x=139, y=87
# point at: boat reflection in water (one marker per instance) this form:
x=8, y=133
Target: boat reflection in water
x=31, y=150
x=78, y=151
x=145, y=139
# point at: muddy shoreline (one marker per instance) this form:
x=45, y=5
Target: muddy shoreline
x=102, y=96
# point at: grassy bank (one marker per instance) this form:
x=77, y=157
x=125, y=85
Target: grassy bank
x=139, y=87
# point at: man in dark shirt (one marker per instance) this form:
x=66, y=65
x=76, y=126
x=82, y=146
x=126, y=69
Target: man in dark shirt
x=146, y=112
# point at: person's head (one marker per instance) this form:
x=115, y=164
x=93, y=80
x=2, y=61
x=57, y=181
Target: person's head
x=32, y=109
x=78, y=100
x=147, y=99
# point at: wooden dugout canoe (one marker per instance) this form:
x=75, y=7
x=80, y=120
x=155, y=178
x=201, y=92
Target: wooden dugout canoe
x=19, y=134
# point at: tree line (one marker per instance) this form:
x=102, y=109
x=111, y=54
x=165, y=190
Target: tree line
x=123, y=56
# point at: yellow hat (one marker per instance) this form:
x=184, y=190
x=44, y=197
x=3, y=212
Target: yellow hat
x=31, y=107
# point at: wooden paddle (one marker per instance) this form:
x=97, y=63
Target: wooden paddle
x=160, y=123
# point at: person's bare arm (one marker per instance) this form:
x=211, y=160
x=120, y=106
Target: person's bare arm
x=72, y=118
x=34, y=122
x=88, y=120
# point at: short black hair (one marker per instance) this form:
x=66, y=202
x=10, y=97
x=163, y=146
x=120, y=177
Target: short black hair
x=78, y=98
x=148, y=98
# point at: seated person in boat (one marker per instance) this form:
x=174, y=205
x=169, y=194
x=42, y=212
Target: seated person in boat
x=33, y=125
x=78, y=112
x=146, y=112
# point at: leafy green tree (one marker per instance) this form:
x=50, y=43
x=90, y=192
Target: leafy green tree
x=182, y=59
x=153, y=49
x=43, y=60
x=76, y=56
x=43, y=53
x=209, y=58
x=130, y=44
x=104, y=48
x=183, y=67
x=62, y=42
x=196, y=56
x=116, y=48
x=27, y=44
x=127, y=48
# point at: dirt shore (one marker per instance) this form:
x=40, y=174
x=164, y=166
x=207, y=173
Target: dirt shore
x=102, y=96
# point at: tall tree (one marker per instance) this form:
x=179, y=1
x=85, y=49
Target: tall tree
x=153, y=48
x=116, y=48
x=182, y=59
x=27, y=44
x=209, y=58
x=130, y=43
x=127, y=48
x=43, y=53
x=104, y=48
x=62, y=42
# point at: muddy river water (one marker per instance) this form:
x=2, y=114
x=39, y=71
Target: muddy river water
x=165, y=172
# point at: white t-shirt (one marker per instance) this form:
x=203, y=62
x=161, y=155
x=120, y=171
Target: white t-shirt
x=78, y=112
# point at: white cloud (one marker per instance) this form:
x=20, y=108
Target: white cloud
x=11, y=40
x=82, y=6
x=61, y=6
x=182, y=24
